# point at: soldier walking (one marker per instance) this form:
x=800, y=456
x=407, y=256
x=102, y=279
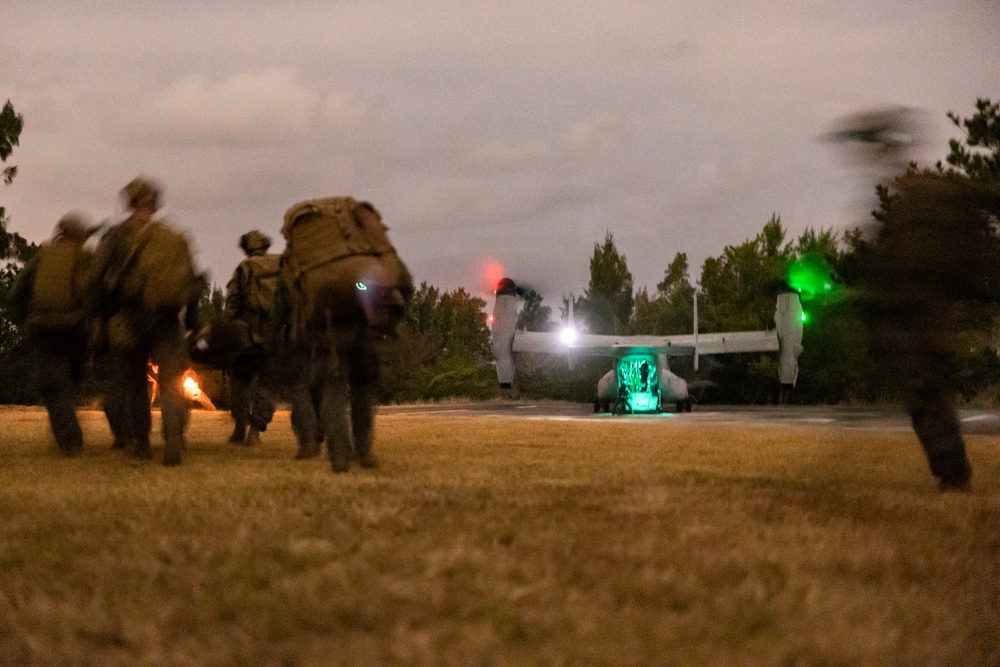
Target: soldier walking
x=48, y=300
x=343, y=289
x=249, y=298
x=928, y=273
x=143, y=280
x=930, y=278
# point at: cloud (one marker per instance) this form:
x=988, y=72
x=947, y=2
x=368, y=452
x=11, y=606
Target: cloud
x=346, y=112
x=246, y=109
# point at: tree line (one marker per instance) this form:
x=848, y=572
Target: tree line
x=443, y=348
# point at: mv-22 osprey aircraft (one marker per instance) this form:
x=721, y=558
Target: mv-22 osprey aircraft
x=641, y=381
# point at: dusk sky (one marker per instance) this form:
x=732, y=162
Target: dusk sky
x=510, y=132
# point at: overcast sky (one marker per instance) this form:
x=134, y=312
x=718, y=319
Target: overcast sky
x=515, y=132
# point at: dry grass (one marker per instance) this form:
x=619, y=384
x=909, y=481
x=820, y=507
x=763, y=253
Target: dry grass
x=498, y=541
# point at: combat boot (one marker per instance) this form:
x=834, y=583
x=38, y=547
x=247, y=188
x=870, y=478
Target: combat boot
x=239, y=435
x=340, y=455
x=253, y=437
x=953, y=471
x=307, y=451
x=140, y=448
x=172, y=451
x=71, y=449
x=363, y=451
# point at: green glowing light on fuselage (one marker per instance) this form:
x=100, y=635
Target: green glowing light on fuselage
x=361, y=286
x=638, y=383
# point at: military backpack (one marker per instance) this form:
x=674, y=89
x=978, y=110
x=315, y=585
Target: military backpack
x=340, y=266
x=159, y=273
x=260, y=275
x=260, y=281
x=59, y=288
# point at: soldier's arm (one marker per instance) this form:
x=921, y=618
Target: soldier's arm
x=191, y=311
x=99, y=292
x=234, y=297
x=19, y=302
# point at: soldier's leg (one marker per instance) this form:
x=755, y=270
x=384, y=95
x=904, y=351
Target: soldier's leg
x=126, y=401
x=305, y=418
x=333, y=413
x=240, y=383
x=316, y=396
x=364, y=369
x=930, y=401
x=264, y=396
x=170, y=354
x=139, y=408
x=54, y=368
x=104, y=366
x=260, y=408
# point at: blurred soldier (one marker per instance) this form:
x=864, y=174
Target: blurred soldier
x=930, y=277
x=343, y=287
x=249, y=297
x=143, y=280
x=48, y=300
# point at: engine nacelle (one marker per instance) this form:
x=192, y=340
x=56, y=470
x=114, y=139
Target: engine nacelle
x=788, y=324
x=504, y=326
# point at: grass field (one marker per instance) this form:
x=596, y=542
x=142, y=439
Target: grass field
x=494, y=541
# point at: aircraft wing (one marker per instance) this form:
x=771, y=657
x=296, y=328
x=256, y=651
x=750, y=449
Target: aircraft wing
x=617, y=346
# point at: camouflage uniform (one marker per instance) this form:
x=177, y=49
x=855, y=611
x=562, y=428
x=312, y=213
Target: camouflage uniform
x=930, y=276
x=131, y=337
x=342, y=288
x=324, y=372
x=246, y=367
x=58, y=341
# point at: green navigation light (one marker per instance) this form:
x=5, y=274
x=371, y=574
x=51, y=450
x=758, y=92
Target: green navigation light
x=361, y=286
x=811, y=277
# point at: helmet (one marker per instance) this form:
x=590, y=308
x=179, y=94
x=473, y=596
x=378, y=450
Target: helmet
x=74, y=226
x=255, y=242
x=139, y=191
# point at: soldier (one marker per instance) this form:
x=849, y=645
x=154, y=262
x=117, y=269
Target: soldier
x=342, y=289
x=143, y=279
x=249, y=297
x=289, y=365
x=324, y=372
x=930, y=277
x=47, y=300
x=928, y=274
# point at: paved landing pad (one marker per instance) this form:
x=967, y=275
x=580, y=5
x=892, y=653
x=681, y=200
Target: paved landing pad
x=882, y=418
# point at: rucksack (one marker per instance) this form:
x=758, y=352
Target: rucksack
x=159, y=272
x=260, y=275
x=340, y=266
x=59, y=287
